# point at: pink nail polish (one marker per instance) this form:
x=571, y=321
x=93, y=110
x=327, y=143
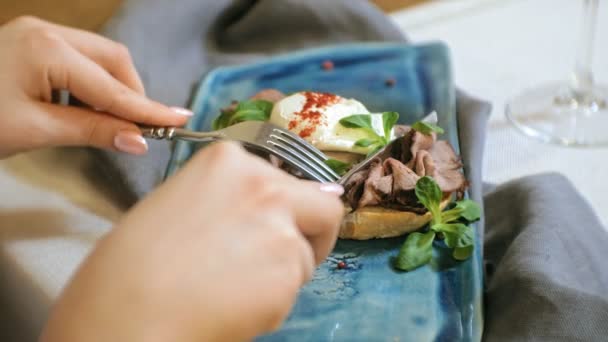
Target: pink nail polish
x=130, y=142
x=182, y=111
x=332, y=188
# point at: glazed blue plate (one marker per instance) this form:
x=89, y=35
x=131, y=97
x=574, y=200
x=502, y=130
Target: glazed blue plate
x=368, y=300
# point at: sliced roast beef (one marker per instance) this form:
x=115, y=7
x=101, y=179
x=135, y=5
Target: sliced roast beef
x=411, y=143
x=353, y=189
x=421, y=142
x=444, y=156
x=370, y=195
x=440, y=162
x=404, y=182
x=447, y=173
x=404, y=178
x=391, y=183
x=383, y=186
x=423, y=164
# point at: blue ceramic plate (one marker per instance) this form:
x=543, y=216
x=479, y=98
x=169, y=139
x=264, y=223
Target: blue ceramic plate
x=367, y=301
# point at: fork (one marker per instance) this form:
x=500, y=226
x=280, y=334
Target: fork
x=263, y=137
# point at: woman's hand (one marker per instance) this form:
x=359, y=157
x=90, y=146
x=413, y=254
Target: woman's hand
x=37, y=57
x=217, y=253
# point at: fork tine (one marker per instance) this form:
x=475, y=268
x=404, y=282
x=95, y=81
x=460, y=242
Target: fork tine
x=302, y=156
x=295, y=158
x=305, y=156
x=301, y=142
x=285, y=157
x=306, y=149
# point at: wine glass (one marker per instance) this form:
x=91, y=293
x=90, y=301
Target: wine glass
x=572, y=113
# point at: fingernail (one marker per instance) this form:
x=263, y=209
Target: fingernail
x=332, y=188
x=130, y=142
x=182, y=111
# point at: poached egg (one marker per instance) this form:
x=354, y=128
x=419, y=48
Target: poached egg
x=316, y=118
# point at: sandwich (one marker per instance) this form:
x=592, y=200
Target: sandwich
x=379, y=200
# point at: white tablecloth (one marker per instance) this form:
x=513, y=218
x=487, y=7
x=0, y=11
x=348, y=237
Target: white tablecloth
x=51, y=216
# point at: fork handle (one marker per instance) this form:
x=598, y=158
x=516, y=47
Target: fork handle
x=170, y=133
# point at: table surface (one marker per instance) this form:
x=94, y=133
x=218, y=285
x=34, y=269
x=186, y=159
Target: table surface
x=51, y=216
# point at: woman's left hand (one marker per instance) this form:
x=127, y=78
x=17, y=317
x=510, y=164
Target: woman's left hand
x=38, y=57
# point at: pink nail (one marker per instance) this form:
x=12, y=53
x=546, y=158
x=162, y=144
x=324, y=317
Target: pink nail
x=332, y=188
x=130, y=142
x=182, y=111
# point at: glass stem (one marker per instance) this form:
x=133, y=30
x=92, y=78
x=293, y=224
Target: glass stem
x=582, y=81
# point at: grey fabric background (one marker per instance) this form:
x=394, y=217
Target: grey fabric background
x=545, y=247
x=548, y=251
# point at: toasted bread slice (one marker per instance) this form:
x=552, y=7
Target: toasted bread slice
x=377, y=222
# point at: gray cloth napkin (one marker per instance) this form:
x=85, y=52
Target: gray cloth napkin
x=548, y=281
x=542, y=239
